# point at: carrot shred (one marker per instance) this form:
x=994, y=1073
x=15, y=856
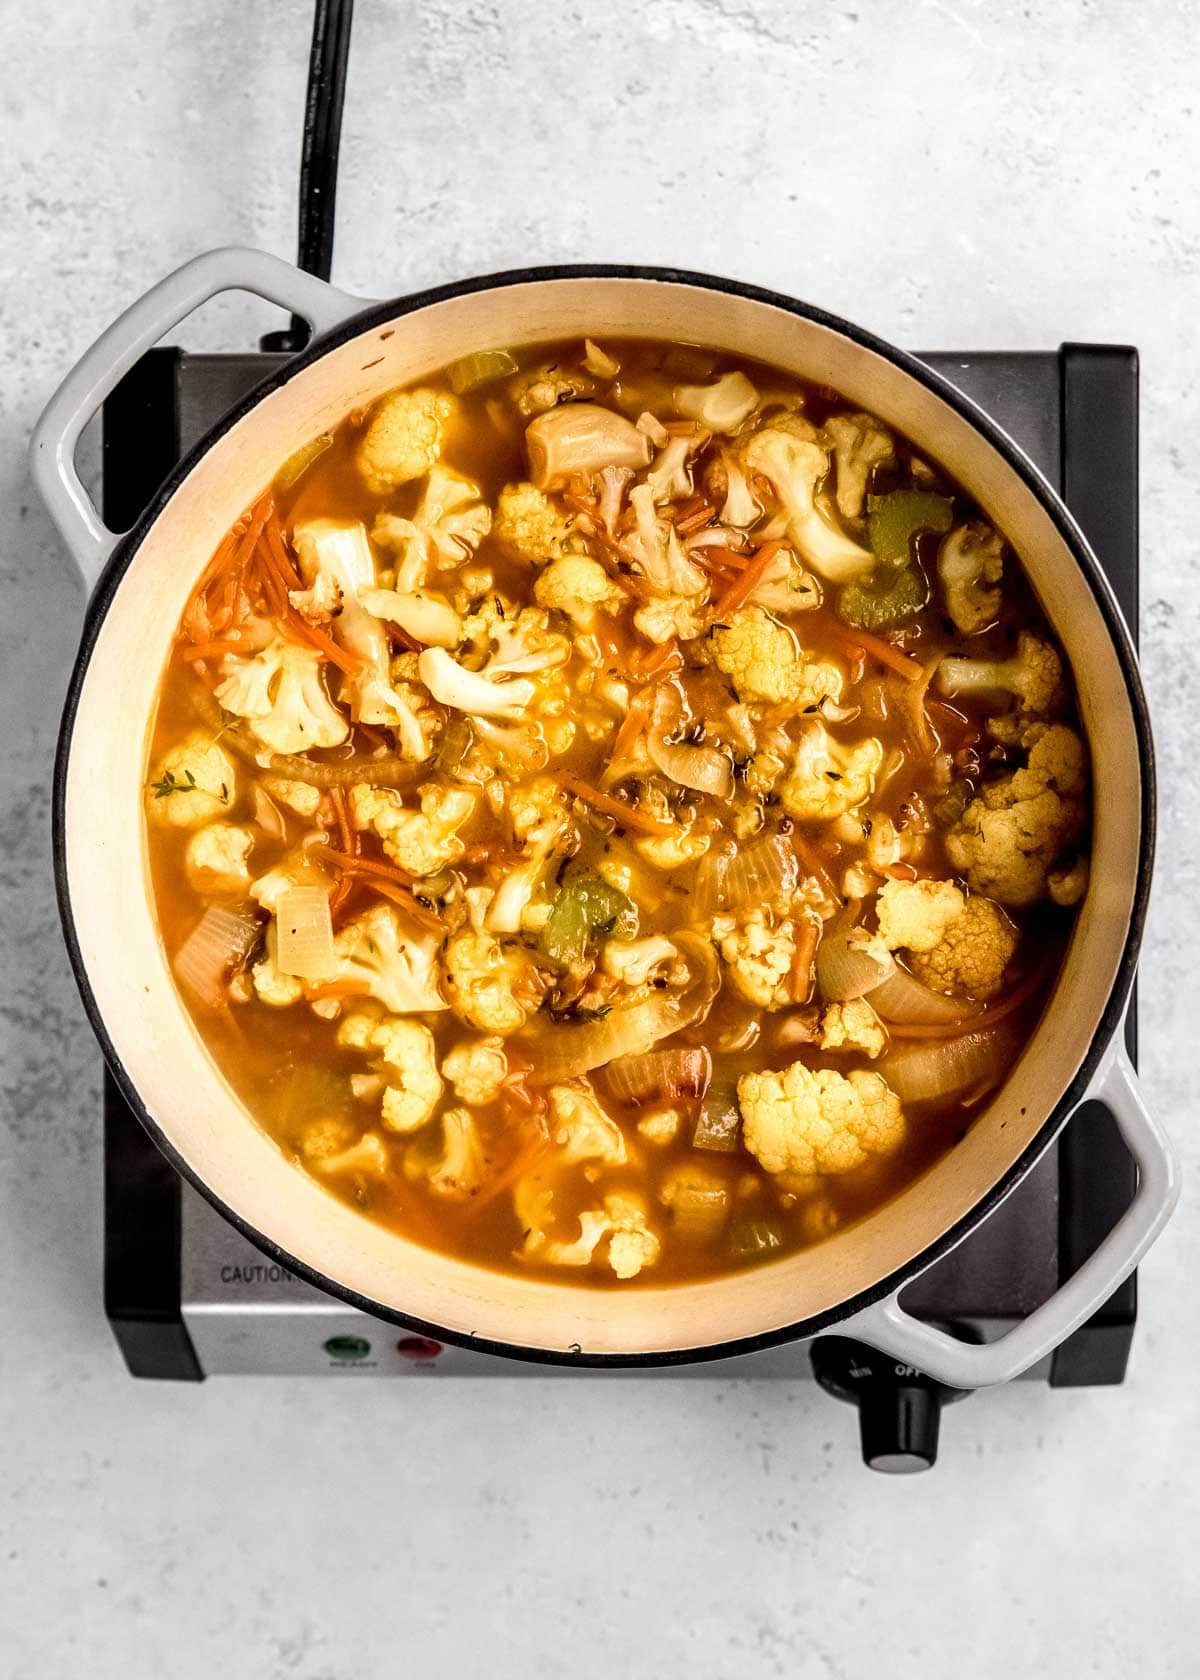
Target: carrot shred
x=632, y=724
x=659, y=658
x=367, y=866
x=280, y=557
x=207, y=650
x=341, y=812
x=800, y=977
x=324, y=644
x=975, y=1021
x=747, y=580
x=632, y=818
x=860, y=641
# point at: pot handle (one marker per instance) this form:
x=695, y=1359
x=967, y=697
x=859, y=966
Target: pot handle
x=52, y=450
x=887, y=1326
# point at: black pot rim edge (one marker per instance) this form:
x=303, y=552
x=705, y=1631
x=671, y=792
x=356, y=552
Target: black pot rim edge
x=378, y=314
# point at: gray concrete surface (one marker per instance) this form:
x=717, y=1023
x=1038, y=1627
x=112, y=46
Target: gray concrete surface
x=946, y=172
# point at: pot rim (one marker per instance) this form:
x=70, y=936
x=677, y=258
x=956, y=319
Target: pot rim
x=1112, y=1015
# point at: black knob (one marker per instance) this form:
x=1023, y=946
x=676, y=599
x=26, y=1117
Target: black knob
x=899, y=1407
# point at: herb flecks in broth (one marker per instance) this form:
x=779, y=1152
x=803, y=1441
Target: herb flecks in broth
x=615, y=811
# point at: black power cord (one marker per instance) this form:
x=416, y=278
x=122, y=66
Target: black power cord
x=319, y=155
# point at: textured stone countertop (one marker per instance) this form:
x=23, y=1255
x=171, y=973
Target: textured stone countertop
x=947, y=173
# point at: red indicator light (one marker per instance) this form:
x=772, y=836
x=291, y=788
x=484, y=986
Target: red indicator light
x=418, y=1347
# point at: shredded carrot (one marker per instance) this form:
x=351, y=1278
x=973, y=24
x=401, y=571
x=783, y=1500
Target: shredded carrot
x=416, y=911
x=336, y=989
x=859, y=641
x=800, y=978
x=324, y=644
x=366, y=866
x=629, y=815
x=974, y=1021
x=341, y=812
x=632, y=725
x=660, y=658
x=207, y=650
x=747, y=580
x=522, y=1161
x=280, y=558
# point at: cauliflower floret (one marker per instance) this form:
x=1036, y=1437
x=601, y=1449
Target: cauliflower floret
x=970, y=565
x=403, y=438
x=786, y=455
x=271, y=986
x=859, y=446
x=490, y=987
x=510, y=643
x=536, y=389
x=448, y=525
x=530, y=528
x=1067, y=885
x=827, y=778
x=633, y=1245
x=764, y=661
x=660, y=1126
x=477, y=1069
x=458, y=1169
x=785, y=587
x=215, y=859
x=580, y=588
x=193, y=782
x=679, y=616
x=672, y=851
x=800, y=1121
x=421, y=842
x=970, y=958
x=300, y=797
x=758, y=953
x=581, y=1128
x=281, y=693
x=393, y=962
x=1009, y=838
x=406, y=1051
x=1034, y=676
x=542, y=826
x=853, y=1026
x=914, y=915
x=636, y=962
x=655, y=547
x=594, y=1226
x=326, y=1146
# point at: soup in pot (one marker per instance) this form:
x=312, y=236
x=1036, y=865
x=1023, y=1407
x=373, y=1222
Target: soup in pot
x=615, y=811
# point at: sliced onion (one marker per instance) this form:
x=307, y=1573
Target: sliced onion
x=760, y=872
x=703, y=769
x=680, y=1072
x=564, y=1052
x=720, y=1117
x=709, y=890
x=220, y=939
x=845, y=970
x=948, y=1067
x=304, y=932
x=268, y=816
x=903, y=999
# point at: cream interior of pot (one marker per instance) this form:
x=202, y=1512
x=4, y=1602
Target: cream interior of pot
x=126, y=965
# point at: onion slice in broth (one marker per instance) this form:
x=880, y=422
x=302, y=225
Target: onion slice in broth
x=948, y=1067
x=681, y=1072
x=220, y=940
x=903, y=999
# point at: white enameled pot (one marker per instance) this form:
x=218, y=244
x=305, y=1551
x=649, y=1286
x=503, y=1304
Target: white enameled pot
x=140, y=582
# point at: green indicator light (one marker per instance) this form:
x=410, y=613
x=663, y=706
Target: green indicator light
x=347, y=1347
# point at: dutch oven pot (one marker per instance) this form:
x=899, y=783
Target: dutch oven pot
x=140, y=582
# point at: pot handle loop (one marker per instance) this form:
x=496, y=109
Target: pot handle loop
x=56, y=435
x=887, y=1326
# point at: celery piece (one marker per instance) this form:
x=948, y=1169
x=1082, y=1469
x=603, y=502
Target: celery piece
x=585, y=906
x=889, y=597
x=895, y=519
x=753, y=1238
x=480, y=368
